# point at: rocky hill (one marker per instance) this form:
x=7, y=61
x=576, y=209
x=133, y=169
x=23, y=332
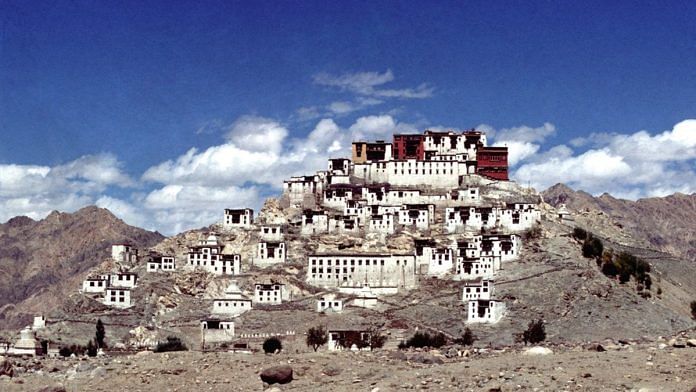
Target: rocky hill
x=666, y=223
x=41, y=262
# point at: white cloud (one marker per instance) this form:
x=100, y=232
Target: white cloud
x=35, y=191
x=625, y=165
x=518, y=151
x=257, y=134
x=522, y=142
x=368, y=84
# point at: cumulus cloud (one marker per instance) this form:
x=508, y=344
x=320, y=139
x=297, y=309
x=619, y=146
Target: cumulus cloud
x=255, y=133
x=626, y=165
x=370, y=84
x=522, y=142
x=34, y=190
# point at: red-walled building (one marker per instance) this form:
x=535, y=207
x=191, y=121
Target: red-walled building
x=492, y=162
x=409, y=147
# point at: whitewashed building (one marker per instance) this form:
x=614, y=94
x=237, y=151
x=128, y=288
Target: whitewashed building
x=214, y=330
x=95, y=284
x=439, y=261
x=238, y=218
x=233, y=303
x=519, y=216
x=470, y=218
x=381, y=223
x=124, y=253
x=207, y=255
x=314, y=222
x=329, y=303
x=301, y=187
x=419, y=216
x=270, y=293
x=271, y=232
x=340, y=166
x=118, y=297
x=270, y=252
x=39, y=322
x=344, y=224
x=485, y=311
x=479, y=289
x=123, y=279
x=343, y=339
x=158, y=263
x=386, y=273
x=365, y=298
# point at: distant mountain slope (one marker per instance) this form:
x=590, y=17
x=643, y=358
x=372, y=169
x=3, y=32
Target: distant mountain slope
x=52, y=254
x=666, y=223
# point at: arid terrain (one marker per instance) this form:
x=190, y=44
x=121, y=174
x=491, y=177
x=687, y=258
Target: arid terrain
x=630, y=367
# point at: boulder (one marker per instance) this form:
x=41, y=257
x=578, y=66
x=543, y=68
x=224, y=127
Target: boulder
x=53, y=388
x=691, y=342
x=281, y=374
x=331, y=370
x=595, y=347
x=538, y=350
x=426, y=359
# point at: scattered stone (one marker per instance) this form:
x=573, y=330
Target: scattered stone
x=331, y=370
x=98, y=372
x=596, y=347
x=281, y=374
x=85, y=367
x=400, y=355
x=53, y=388
x=691, y=342
x=6, y=368
x=426, y=359
x=538, y=350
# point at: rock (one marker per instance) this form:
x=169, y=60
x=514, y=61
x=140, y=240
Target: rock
x=273, y=389
x=538, y=350
x=596, y=347
x=331, y=370
x=84, y=367
x=691, y=342
x=98, y=372
x=426, y=359
x=677, y=343
x=53, y=388
x=277, y=375
x=400, y=355
x=662, y=346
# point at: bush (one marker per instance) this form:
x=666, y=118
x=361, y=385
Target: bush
x=468, y=338
x=272, y=345
x=535, y=333
x=65, y=352
x=693, y=309
x=424, y=339
x=72, y=349
x=172, y=343
x=100, y=335
x=592, y=247
x=579, y=234
x=316, y=337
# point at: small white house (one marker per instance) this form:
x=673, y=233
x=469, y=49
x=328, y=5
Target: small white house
x=314, y=222
x=207, y=255
x=238, y=218
x=481, y=289
x=485, y=311
x=95, y=284
x=233, y=303
x=269, y=293
x=118, y=297
x=270, y=252
x=215, y=330
x=158, y=263
x=124, y=253
x=345, y=339
x=39, y=322
x=271, y=232
x=123, y=279
x=383, y=223
x=329, y=303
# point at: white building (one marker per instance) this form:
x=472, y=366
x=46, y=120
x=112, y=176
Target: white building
x=381, y=223
x=301, y=187
x=271, y=232
x=269, y=293
x=124, y=253
x=344, y=339
x=385, y=273
x=485, y=311
x=270, y=252
x=344, y=224
x=329, y=303
x=95, y=284
x=215, y=330
x=207, y=255
x=417, y=215
x=412, y=172
x=479, y=289
x=27, y=344
x=234, y=302
x=123, y=279
x=470, y=218
x=439, y=261
x=118, y=297
x=314, y=222
x=519, y=216
x=365, y=298
x=563, y=213
x=340, y=166
x=161, y=263
x=337, y=195
x=238, y=218
x=467, y=195
x=39, y=322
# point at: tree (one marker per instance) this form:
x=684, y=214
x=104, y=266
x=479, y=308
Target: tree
x=317, y=337
x=535, y=333
x=172, y=343
x=693, y=309
x=376, y=339
x=579, y=234
x=468, y=338
x=100, y=334
x=91, y=349
x=272, y=345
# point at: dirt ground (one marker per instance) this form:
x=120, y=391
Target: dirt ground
x=638, y=367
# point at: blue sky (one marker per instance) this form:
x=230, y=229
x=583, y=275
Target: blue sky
x=100, y=102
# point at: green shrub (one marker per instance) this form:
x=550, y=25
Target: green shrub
x=579, y=234
x=172, y=343
x=467, y=339
x=535, y=333
x=377, y=340
x=272, y=345
x=592, y=247
x=424, y=339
